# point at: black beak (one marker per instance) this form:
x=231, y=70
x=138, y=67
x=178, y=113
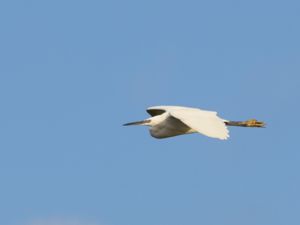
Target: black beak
x=136, y=123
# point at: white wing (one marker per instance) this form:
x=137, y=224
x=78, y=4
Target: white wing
x=204, y=122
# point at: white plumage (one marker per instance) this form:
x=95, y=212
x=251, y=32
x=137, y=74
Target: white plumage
x=169, y=121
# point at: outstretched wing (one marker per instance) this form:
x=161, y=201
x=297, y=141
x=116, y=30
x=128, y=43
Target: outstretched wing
x=204, y=122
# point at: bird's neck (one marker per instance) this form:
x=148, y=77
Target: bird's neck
x=157, y=119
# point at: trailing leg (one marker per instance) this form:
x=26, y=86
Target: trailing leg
x=247, y=123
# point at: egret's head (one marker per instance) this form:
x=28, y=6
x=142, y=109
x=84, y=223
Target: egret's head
x=152, y=121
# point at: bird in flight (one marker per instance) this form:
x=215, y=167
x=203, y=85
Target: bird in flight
x=169, y=121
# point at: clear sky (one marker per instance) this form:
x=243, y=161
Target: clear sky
x=72, y=72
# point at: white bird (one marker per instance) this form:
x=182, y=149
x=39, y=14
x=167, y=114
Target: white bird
x=169, y=121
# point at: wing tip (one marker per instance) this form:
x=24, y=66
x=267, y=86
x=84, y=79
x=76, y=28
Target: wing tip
x=224, y=138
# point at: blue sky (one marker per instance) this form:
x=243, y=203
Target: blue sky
x=72, y=72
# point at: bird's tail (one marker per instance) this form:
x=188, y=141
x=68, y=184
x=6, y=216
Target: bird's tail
x=247, y=123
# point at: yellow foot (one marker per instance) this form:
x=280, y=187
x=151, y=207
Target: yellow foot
x=254, y=123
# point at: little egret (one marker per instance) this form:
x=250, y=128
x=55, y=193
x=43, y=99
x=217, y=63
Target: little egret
x=169, y=121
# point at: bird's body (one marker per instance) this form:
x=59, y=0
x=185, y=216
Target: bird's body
x=169, y=121
x=169, y=127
